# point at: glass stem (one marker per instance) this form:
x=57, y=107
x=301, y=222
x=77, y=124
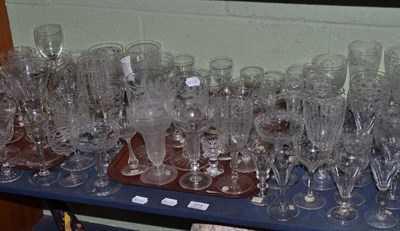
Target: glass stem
x=393, y=187
x=282, y=197
x=5, y=167
x=101, y=171
x=193, y=151
x=132, y=160
x=40, y=151
x=381, y=203
x=262, y=185
x=310, y=195
x=234, y=167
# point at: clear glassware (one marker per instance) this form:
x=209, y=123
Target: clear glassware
x=221, y=66
x=49, y=40
x=324, y=112
x=369, y=91
x=383, y=170
x=294, y=80
x=191, y=115
x=7, y=172
x=364, y=55
x=233, y=118
x=281, y=127
x=279, y=78
x=111, y=50
x=134, y=165
x=345, y=171
x=395, y=82
x=127, y=63
x=262, y=154
x=212, y=147
x=148, y=106
x=333, y=66
x=152, y=52
x=310, y=156
x=391, y=59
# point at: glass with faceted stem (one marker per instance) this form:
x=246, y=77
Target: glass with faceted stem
x=7, y=172
x=233, y=118
x=212, y=147
x=281, y=127
x=262, y=154
x=147, y=108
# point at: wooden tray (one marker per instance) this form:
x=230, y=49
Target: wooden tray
x=122, y=157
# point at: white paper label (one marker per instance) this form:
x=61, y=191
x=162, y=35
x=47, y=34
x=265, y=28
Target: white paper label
x=126, y=66
x=198, y=205
x=139, y=200
x=193, y=81
x=257, y=200
x=169, y=202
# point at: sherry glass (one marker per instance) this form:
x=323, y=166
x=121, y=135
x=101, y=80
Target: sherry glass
x=233, y=117
x=212, y=147
x=364, y=55
x=282, y=128
x=262, y=154
x=97, y=136
x=383, y=169
x=49, y=40
x=7, y=172
x=345, y=171
x=147, y=108
x=312, y=158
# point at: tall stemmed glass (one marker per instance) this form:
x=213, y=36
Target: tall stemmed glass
x=383, y=170
x=49, y=40
x=310, y=156
x=347, y=166
x=192, y=115
x=324, y=112
x=281, y=127
x=233, y=118
x=97, y=136
x=148, y=106
x=262, y=154
x=7, y=172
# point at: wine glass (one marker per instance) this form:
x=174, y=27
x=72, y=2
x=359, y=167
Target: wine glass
x=191, y=115
x=262, y=154
x=134, y=166
x=383, y=169
x=212, y=147
x=148, y=110
x=49, y=40
x=346, y=169
x=97, y=136
x=312, y=158
x=233, y=118
x=282, y=128
x=7, y=172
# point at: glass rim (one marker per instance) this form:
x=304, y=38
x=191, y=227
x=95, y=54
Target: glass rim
x=342, y=58
x=38, y=29
x=375, y=43
x=142, y=42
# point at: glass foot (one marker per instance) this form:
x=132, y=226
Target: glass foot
x=10, y=176
x=293, y=179
x=341, y=215
x=246, y=166
x=180, y=162
x=267, y=198
x=72, y=180
x=314, y=202
x=392, y=201
x=226, y=185
x=283, y=212
x=97, y=187
x=199, y=181
x=152, y=177
x=356, y=198
x=44, y=180
x=214, y=172
x=173, y=142
x=140, y=168
x=319, y=183
x=382, y=221
x=77, y=164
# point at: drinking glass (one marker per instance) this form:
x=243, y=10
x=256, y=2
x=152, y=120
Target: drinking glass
x=369, y=91
x=395, y=82
x=212, y=147
x=7, y=172
x=17, y=53
x=221, y=66
x=49, y=40
x=294, y=80
x=148, y=110
x=128, y=62
x=391, y=59
x=346, y=169
x=97, y=136
x=233, y=118
x=312, y=158
x=278, y=76
x=333, y=67
x=364, y=55
x=262, y=154
x=282, y=128
x=191, y=115
x=151, y=51
x=324, y=111
x=111, y=50
x=383, y=169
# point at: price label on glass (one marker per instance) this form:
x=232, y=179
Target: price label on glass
x=198, y=205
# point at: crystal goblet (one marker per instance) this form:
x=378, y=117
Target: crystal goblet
x=49, y=40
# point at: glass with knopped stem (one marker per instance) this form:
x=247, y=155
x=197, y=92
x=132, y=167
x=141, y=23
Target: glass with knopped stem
x=281, y=127
x=148, y=109
x=49, y=40
x=233, y=118
x=310, y=156
x=262, y=154
x=7, y=172
x=383, y=169
x=346, y=168
x=212, y=147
